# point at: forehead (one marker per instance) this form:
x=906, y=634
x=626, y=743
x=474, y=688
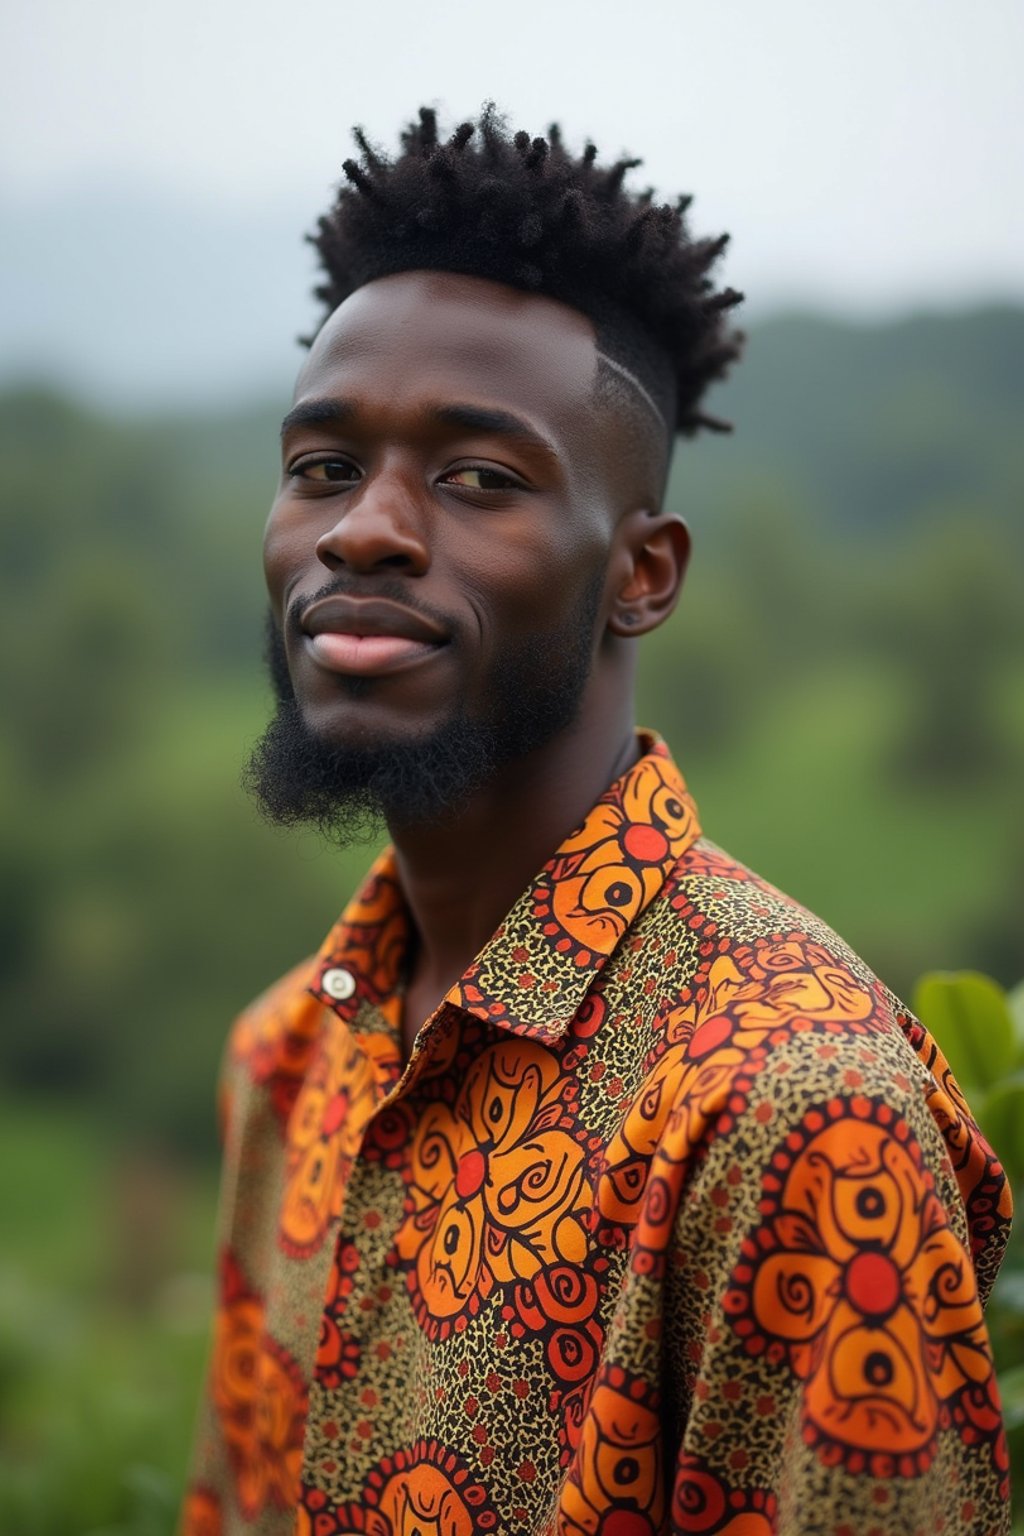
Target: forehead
x=441, y=336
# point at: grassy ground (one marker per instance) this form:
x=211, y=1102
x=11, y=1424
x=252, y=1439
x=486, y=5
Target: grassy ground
x=104, y=1312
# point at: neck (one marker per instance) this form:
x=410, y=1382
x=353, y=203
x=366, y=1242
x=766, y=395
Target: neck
x=460, y=877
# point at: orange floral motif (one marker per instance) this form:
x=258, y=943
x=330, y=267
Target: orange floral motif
x=646, y=1143
x=744, y=997
x=424, y=1502
x=260, y=1401
x=858, y=1281
x=608, y=870
x=616, y=1483
x=761, y=986
x=497, y=1186
x=425, y=1491
x=324, y=1131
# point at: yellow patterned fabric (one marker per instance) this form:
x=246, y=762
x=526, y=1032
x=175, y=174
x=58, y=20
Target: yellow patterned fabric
x=676, y=1220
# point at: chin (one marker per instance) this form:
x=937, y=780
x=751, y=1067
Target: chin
x=360, y=723
x=344, y=774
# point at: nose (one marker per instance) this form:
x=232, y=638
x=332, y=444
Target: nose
x=378, y=528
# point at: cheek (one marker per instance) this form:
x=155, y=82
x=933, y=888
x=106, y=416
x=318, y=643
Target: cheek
x=526, y=580
x=289, y=547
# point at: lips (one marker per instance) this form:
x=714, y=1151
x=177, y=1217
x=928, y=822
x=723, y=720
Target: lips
x=368, y=636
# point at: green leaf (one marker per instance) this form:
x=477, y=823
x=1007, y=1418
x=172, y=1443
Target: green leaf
x=1015, y=1003
x=1011, y=1391
x=1000, y=1114
x=969, y=1017
x=1008, y=1294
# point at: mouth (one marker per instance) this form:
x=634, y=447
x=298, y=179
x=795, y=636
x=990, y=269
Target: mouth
x=368, y=637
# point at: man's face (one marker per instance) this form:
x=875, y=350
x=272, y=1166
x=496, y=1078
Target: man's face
x=437, y=549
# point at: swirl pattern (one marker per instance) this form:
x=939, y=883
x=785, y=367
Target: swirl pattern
x=426, y=1491
x=260, y=1400
x=324, y=1128
x=636, y=1242
x=496, y=1187
x=858, y=1278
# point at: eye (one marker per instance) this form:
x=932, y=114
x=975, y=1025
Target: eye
x=477, y=477
x=326, y=471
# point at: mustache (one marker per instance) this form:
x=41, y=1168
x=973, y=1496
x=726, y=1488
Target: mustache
x=391, y=589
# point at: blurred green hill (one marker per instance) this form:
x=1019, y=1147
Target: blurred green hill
x=843, y=685
x=878, y=426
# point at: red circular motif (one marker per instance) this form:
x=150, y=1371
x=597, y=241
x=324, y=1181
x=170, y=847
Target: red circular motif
x=625, y=1522
x=710, y=1035
x=470, y=1173
x=645, y=844
x=334, y=1114
x=873, y=1285
x=565, y=1294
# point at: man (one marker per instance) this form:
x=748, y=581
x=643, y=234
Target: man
x=582, y=1182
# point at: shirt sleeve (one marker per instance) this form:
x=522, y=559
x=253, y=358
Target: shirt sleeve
x=830, y=1369
x=264, y=1058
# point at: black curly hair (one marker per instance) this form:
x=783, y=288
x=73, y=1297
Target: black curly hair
x=525, y=212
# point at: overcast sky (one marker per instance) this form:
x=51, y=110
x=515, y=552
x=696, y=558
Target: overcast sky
x=867, y=156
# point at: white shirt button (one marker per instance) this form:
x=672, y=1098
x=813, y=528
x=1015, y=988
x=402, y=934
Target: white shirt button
x=338, y=983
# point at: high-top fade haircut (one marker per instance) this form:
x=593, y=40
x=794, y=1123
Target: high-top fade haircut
x=523, y=211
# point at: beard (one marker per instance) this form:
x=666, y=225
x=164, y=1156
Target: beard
x=346, y=790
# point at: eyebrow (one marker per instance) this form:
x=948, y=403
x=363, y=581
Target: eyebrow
x=317, y=413
x=474, y=418
x=495, y=422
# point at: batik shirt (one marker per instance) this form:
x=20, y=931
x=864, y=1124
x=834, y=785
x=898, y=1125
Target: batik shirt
x=675, y=1220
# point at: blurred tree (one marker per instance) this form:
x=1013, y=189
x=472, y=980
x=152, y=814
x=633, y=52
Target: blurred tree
x=843, y=683
x=950, y=617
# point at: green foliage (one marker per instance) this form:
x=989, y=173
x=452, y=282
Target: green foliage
x=878, y=426
x=105, y=1306
x=970, y=1020
x=843, y=685
x=979, y=1028
x=981, y=1034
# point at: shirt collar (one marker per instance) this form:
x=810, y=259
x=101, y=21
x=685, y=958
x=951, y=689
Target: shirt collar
x=534, y=973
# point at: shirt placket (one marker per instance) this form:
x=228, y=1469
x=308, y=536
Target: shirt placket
x=360, y=1275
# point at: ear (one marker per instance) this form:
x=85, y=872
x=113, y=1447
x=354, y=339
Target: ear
x=650, y=563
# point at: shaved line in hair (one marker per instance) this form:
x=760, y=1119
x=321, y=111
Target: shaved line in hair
x=631, y=378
